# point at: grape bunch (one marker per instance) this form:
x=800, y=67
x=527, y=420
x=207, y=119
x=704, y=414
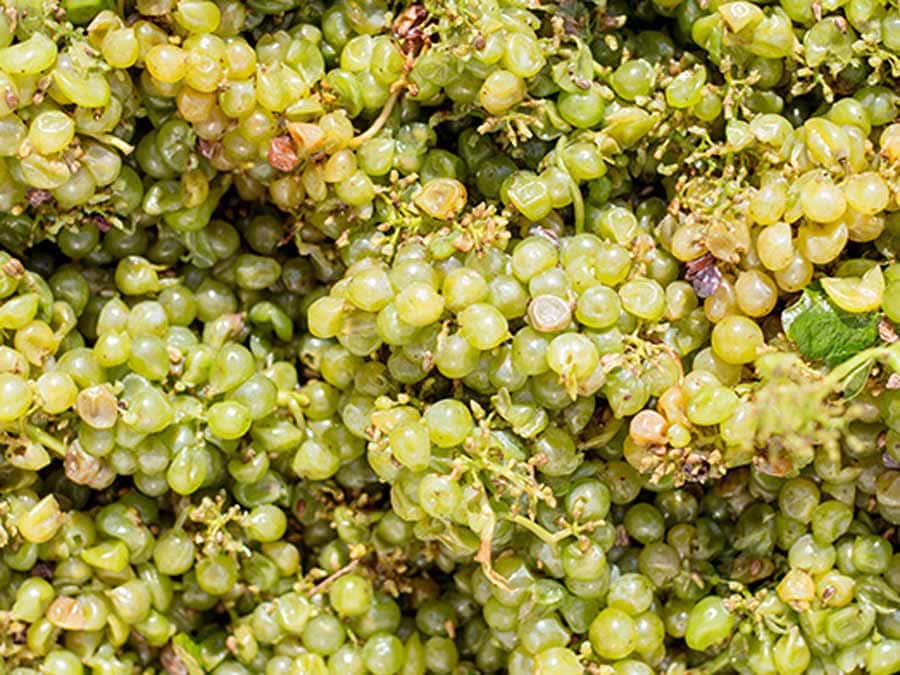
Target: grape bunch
x=449, y=337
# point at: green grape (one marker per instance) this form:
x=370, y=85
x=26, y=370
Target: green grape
x=368, y=337
x=612, y=634
x=419, y=304
x=632, y=79
x=736, y=339
x=582, y=109
x=501, y=91
x=351, y=595
x=709, y=623
x=598, y=307
x=483, y=326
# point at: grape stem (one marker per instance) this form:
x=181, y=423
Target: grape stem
x=379, y=121
x=327, y=581
x=540, y=532
x=483, y=557
x=182, y=516
x=833, y=380
x=577, y=206
x=40, y=436
x=548, y=537
x=714, y=665
x=574, y=190
x=294, y=402
x=116, y=142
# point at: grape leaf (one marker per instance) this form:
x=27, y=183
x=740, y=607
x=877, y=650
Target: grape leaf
x=823, y=331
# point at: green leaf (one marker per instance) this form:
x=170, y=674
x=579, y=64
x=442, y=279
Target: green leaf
x=824, y=331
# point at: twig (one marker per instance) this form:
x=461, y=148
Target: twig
x=327, y=581
x=379, y=121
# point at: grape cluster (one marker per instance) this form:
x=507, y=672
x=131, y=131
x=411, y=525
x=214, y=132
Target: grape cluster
x=461, y=336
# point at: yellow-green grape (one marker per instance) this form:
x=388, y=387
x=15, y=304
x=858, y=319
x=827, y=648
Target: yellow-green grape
x=863, y=228
x=325, y=316
x=166, y=63
x=419, y=304
x=771, y=129
x=709, y=623
x=756, y=293
x=339, y=166
x=721, y=303
x=91, y=90
x=203, y=72
x=19, y=311
x=370, y=290
x=796, y=275
x=774, y=246
x=41, y=522
x=356, y=189
x=120, y=48
x=501, y=91
x=644, y=298
x=482, y=325
x=29, y=57
x=239, y=58
x=737, y=339
x=51, y=132
x=686, y=89
x=56, y=392
x=688, y=243
x=767, y=204
x=12, y=133
x=857, y=294
x=867, y=193
x=826, y=142
x=522, y=55
x=198, y=16
x=557, y=660
x=821, y=244
x=76, y=191
x=612, y=634
x=302, y=299
x=573, y=357
x=15, y=397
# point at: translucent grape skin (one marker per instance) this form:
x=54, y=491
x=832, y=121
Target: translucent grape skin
x=407, y=338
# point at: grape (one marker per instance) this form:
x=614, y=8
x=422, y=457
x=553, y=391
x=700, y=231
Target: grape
x=501, y=91
x=709, y=622
x=736, y=339
x=405, y=338
x=613, y=634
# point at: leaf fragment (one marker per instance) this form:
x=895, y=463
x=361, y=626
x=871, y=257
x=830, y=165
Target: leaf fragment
x=823, y=331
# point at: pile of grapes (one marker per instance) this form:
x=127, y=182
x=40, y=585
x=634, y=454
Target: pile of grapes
x=452, y=337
